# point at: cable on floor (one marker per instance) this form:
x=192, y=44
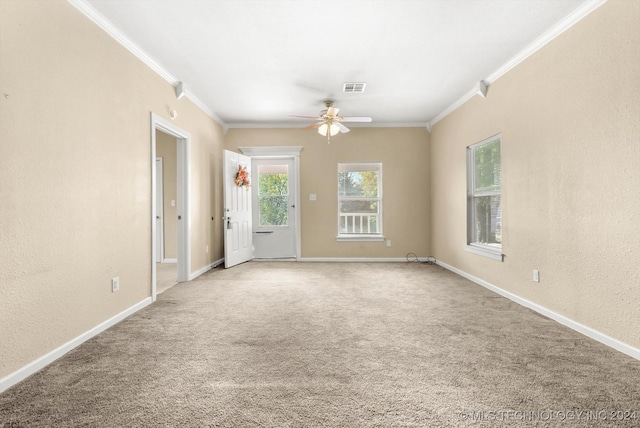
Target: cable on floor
x=412, y=257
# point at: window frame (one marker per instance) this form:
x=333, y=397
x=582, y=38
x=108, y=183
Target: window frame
x=361, y=237
x=492, y=251
x=256, y=182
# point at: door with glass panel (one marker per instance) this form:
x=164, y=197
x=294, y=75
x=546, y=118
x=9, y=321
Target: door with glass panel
x=274, y=205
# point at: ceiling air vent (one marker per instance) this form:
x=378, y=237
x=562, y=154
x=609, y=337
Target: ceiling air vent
x=353, y=88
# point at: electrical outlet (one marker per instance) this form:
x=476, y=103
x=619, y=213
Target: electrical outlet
x=115, y=284
x=536, y=275
x=388, y=242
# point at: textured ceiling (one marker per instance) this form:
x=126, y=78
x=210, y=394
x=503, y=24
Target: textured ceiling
x=252, y=63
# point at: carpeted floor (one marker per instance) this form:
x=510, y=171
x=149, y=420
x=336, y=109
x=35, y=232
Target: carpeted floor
x=166, y=276
x=285, y=344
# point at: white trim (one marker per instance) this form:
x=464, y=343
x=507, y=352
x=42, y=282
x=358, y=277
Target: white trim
x=481, y=89
x=486, y=251
x=184, y=202
x=90, y=12
x=39, y=363
x=160, y=206
x=568, y=322
x=360, y=259
x=205, y=269
x=454, y=106
x=275, y=151
x=559, y=28
x=102, y=22
x=295, y=123
x=169, y=261
x=183, y=142
x=359, y=238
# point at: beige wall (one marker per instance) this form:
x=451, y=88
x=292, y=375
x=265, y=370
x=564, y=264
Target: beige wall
x=404, y=153
x=75, y=174
x=571, y=174
x=166, y=148
x=75, y=177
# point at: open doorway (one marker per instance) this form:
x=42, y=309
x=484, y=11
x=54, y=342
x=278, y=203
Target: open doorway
x=170, y=219
x=166, y=211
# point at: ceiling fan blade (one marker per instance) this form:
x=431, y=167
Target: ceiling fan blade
x=305, y=117
x=332, y=111
x=343, y=128
x=313, y=125
x=355, y=119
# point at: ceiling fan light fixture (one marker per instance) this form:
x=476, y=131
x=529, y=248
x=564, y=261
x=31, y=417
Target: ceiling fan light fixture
x=333, y=129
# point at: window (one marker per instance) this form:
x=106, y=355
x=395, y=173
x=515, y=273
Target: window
x=273, y=195
x=484, y=211
x=360, y=201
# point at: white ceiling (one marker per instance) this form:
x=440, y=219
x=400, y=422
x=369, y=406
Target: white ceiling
x=252, y=62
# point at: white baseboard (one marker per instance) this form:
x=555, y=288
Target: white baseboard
x=361, y=259
x=207, y=268
x=574, y=325
x=26, y=371
x=169, y=261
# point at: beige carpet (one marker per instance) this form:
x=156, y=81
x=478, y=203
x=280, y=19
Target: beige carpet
x=284, y=344
x=166, y=276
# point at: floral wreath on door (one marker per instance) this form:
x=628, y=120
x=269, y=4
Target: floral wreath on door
x=242, y=177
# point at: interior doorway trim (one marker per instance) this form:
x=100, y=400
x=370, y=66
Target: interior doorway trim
x=279, y=152
x=183, y=143
x=159, y=212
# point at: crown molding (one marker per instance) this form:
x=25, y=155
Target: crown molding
x=479, y=89
x=562, y=26
x=293, y=151
x=559, y=28
x=300, y=124
x=98, y=19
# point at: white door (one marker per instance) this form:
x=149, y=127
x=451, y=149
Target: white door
x=238, y=247
x=159, y=211
x=274, y=205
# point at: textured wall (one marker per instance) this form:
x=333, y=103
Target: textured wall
x=75, y=177
x=404, y=153
x=570, y=121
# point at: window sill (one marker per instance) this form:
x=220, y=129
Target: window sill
x=360, y=238
x=485, y=251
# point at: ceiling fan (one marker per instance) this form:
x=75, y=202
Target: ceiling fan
x=329, y=123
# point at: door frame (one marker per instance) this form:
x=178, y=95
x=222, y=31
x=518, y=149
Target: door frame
x=159, y=203
x=283, y=152
x=183, y=144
